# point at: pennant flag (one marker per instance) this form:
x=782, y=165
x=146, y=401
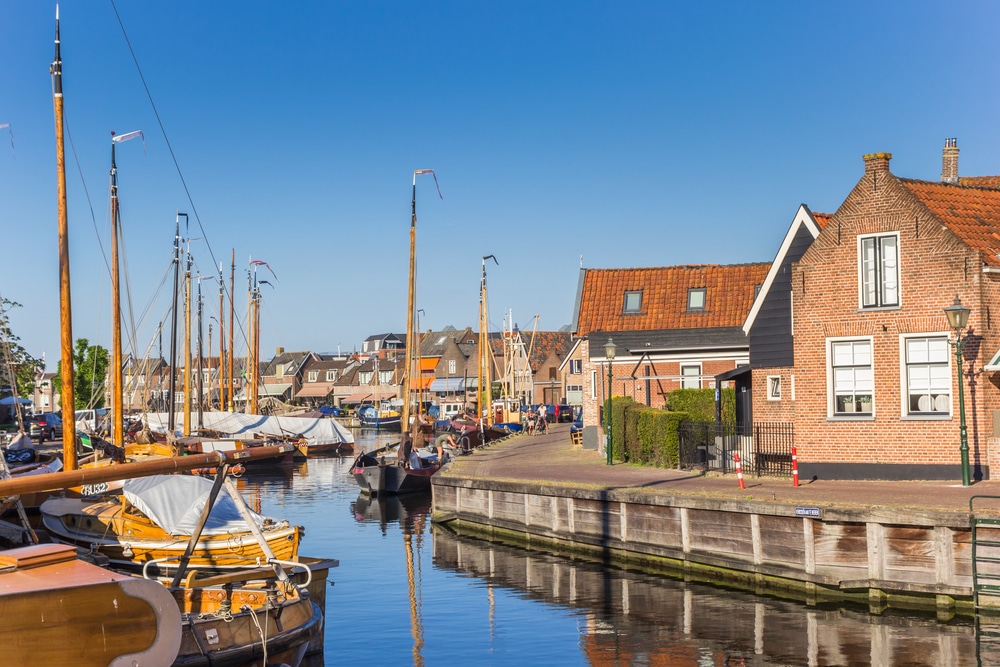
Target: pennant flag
x=420, y=172
x=260, y=262
x=122, y=138
x=7, y=126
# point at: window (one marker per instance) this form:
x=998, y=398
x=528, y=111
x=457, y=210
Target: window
x=331, y=376
x=774, y=387
x=928, y=376
x=575, y=366
x=878, y=265
x=593, y=384
x=365, y=377
x=691, y=377
x=451, y=366
x=313, y=376
x=633, y=302
x=574, y=387
x=756, y=290
x=851, y=369
x=385, y=377
x=696, y=298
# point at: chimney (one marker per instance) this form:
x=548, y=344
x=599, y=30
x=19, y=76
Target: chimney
x=279, y=350
x=949, y=161
x=877, y=163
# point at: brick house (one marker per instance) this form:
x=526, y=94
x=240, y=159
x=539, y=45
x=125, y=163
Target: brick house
x=872, y=384
x=674, y=327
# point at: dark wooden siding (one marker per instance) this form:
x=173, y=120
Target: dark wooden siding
x=771, y=335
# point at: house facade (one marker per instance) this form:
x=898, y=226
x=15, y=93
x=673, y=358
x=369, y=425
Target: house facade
x=873, y=385
x=672, y=327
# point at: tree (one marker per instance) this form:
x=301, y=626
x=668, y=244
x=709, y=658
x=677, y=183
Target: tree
x=90, y=371
x=15, y=359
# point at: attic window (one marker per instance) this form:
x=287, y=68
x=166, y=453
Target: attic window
x=696, y=298
x=633, y=302
x=756, y=290
x=441, y=340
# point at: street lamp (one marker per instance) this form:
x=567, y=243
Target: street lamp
x=958, y=317
x=609, y=353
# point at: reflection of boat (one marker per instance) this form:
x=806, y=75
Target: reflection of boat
x=379, y=473
x=387, y=509
x=153, y=519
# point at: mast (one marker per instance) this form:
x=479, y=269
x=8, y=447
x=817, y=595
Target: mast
x=65, y=311
x=412, y=337
x=484, y=350
x=173, y=324
x=201, y=387
x=232, y=328
x=222, y=342
x=187, y=344
x=251, y=370
x=117, y=427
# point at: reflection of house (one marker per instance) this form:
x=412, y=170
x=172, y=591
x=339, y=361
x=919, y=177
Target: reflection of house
x=673, y=327
x=869, y=378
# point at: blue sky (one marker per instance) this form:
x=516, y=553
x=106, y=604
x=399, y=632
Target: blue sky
x=625, y=133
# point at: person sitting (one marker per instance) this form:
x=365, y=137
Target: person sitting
x=404, y=450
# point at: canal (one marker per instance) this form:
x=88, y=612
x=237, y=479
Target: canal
x=408, y=593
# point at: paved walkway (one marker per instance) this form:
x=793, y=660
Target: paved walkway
x=553, y=458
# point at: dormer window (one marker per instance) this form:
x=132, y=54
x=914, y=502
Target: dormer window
x=633, y=301
x=696, y=299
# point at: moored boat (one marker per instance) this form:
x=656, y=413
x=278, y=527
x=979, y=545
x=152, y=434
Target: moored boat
x=380, y=473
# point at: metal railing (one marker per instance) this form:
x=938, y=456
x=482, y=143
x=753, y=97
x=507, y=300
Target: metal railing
x=764, y=448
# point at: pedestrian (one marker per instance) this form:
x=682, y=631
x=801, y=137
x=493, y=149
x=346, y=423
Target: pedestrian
x=542, y=421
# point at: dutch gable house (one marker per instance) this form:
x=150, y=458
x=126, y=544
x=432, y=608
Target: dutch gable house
x=875, y=386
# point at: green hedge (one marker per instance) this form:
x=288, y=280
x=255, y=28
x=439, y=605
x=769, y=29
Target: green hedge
x=700, y=404
x=643, y=435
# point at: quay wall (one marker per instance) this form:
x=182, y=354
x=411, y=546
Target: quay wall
x=882, y=558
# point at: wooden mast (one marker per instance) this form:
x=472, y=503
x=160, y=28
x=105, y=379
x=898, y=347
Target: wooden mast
x=187, y=344
x=485, y=387
x=173, y=327
x=222, y=342
x=65, y=311
x=232, y=328
x=117, y=425
x=251, y=371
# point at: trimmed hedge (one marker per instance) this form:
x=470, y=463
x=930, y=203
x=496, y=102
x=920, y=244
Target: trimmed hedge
x=643, y=435
x=700, y=404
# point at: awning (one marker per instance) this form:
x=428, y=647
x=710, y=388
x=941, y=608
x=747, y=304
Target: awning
x=315, y=389
x=448, y=384
x=421, y=384
x=356, y=398
x=729, y=375
x=273, y=389
x=429, y=364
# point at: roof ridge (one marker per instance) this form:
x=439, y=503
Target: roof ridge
x=966, y=186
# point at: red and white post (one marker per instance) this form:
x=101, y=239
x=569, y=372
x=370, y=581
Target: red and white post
x=739, y=469
x=795, y=468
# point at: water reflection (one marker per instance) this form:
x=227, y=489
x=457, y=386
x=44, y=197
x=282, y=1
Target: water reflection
x=407, y=594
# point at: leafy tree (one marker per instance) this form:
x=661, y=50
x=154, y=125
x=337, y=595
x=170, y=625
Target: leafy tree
x=90, y=370
x=14, y=358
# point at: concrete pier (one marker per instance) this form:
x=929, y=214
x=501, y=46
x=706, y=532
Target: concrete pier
x=860, y=542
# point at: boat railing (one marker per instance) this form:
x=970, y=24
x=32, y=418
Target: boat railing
x=216, y=579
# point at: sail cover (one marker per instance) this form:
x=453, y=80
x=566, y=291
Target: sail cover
x=315, y=431
x=175, y=503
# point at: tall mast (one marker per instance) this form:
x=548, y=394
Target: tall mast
x=412, y=336
x=484, y=350
x=187, y=344
x=117, y=399
x=232, y=328
x=117, y=428
x=222, y=342
x=251, y=369
x=65, y=311
x=201, y=387
x=173, y=324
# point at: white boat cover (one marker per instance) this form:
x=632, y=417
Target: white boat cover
x=175, y=503
x=316, y=431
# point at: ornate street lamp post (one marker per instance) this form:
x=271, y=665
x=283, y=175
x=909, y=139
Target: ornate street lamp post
x=609, y=353
x=958, y=317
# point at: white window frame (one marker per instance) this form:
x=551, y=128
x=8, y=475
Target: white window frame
x=575, y=366
x=451, y=366
x=385, y=377
x=365, y=377
x=774, y=387
x=944, y=379
x=331, y=376
x=831, y=393
x=878, y=275
x=593, y=384
x=686, y=378
x=313, y=376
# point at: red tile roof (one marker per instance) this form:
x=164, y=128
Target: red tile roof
x=980, y=181
x=971, y=213
x=822, y=219
x=729, y=292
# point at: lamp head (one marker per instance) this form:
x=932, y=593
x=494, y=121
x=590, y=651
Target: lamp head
x=957, y=314
x=609, y=348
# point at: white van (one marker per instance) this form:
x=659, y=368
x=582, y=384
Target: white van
x=90, y=420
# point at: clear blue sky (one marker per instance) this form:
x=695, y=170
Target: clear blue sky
x=628, y=133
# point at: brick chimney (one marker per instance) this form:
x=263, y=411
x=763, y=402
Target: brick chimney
x=877, y=163
x=949, y=161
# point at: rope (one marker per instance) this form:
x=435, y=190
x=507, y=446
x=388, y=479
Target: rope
x=262, y=631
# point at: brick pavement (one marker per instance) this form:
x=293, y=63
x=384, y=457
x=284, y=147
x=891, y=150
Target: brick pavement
x=552, y=458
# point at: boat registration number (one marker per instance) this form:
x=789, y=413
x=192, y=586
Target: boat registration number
x=94, y=489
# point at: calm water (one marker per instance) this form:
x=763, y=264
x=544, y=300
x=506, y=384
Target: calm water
x=410, y=594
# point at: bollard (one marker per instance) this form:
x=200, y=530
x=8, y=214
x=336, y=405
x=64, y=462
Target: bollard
x=739, y=469
x=795, y=468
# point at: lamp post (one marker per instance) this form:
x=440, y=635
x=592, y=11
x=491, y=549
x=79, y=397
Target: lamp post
x=609, y=353
x=958, y=317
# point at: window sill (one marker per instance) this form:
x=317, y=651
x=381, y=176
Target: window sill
x=926, y=418
x=859, y=417
x=876, y=309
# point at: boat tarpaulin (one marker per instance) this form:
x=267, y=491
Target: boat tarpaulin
x=175, y=503
x=273, y=389
x=315, y=431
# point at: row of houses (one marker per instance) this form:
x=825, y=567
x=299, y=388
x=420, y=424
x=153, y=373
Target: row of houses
x=843, y=335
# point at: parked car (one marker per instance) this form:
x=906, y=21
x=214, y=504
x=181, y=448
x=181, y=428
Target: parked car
x=45, y=426
x=91, y=420
x=563, y=413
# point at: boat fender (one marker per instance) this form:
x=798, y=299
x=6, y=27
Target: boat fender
x=466, y=444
